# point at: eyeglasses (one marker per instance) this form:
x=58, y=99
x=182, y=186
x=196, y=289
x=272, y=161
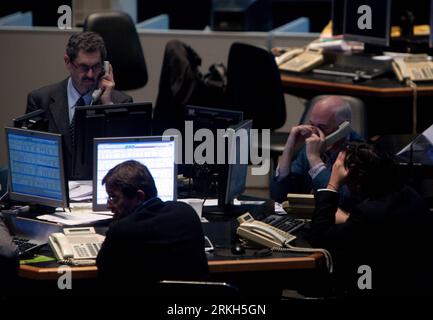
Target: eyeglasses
x=84, y=68
x=113, y=199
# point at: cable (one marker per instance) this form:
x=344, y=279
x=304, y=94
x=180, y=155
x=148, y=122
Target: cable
x=289, y=248
x=413, y=85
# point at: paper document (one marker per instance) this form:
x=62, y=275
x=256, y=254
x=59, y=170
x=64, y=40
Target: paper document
x=80, y=190
x=76, y=217
x=420, y=150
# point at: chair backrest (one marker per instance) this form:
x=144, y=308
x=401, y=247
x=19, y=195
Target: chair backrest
x=359, y=113
x=180, y=78
x=254, y=86
x=124, y=49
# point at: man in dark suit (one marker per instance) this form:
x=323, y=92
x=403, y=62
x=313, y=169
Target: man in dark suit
x=149, y=240
x=85, y=53
x=380, y=248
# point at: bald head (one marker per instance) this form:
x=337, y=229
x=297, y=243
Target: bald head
x=329, y=112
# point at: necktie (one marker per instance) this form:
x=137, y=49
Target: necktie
x=80, y=102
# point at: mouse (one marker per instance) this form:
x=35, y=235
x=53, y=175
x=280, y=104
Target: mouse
x=238, y=249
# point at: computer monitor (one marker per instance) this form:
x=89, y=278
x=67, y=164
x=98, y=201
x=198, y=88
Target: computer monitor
x=205, y=118
x=157, y=153
x=337, y=17
x=36, y=169
x=212, y=118
x=34, y=120
x=356, y=26
x=233, y=173
x=104, y=121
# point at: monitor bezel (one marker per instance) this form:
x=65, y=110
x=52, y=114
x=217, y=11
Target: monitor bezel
x=16, y=196
x=97, y=141
x=80, y=170
x=248, y=123
x=209, y=110
x=366, y=39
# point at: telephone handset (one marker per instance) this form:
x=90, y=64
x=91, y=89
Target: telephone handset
x=300, y=60
x=276, y=239
x=343, y=130
x=98, y=92
x=76, y=245
x=415, y=68
x=262, y=233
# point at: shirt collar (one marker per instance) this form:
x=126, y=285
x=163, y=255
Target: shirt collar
x=74, y=95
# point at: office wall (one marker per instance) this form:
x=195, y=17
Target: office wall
x=33, y=57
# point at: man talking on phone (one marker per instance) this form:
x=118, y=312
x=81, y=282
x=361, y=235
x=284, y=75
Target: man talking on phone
x=306, y=162
x=84, y=60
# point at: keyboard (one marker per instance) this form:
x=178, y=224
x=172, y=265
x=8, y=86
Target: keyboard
x=25, y=246
x=355, y=67
x=349, y=71
x=286, y=223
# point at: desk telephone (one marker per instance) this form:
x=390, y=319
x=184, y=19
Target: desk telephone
x=262, y=233
x=299, y=60
x=78, y=246
x=276, y=239
x=414, y=67
x=98, y=92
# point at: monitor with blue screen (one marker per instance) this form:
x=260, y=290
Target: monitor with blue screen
x=157, y=153
x=36, y=169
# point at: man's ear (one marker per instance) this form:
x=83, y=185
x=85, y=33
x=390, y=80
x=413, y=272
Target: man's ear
x=67, y=61
x=141, y=195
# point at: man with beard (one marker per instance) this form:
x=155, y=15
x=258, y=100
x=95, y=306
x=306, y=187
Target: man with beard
x=85, y=53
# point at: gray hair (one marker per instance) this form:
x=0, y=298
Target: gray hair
x=343, y=112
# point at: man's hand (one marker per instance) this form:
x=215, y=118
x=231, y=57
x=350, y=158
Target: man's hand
x=107, y=84
x=296, y=139
x=339, y=172
x=314, y=146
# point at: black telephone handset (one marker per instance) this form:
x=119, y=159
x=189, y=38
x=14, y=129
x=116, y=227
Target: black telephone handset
x=98, y=92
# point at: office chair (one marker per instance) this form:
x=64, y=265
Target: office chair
x=171, y=290
x=124, y=49
x=254, y=87
x=359, y=113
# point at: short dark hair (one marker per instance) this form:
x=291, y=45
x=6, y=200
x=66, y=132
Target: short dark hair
x=372, y=171
x=129, y=177
x=88, y=42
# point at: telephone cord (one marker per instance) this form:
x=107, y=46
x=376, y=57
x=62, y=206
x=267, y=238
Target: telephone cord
x=288, y=248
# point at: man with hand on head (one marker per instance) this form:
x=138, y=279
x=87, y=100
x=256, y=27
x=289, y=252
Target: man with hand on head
x=149, y=240
x=306, y=162
x=387, y=234
x=84, y=60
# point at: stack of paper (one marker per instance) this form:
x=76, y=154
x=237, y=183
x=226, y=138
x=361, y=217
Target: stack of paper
x=80, y=190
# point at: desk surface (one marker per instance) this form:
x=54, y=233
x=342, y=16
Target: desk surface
x=381, y=87
x=278, y=261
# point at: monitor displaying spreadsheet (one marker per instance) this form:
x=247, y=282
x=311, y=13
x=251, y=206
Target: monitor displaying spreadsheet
x=157, y=153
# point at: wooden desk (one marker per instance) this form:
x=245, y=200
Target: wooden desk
x=389, y=103
x=276, y=262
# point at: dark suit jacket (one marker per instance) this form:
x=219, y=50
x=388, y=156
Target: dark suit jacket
x=159, y=240
x=390, y=234
x=53, y=99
